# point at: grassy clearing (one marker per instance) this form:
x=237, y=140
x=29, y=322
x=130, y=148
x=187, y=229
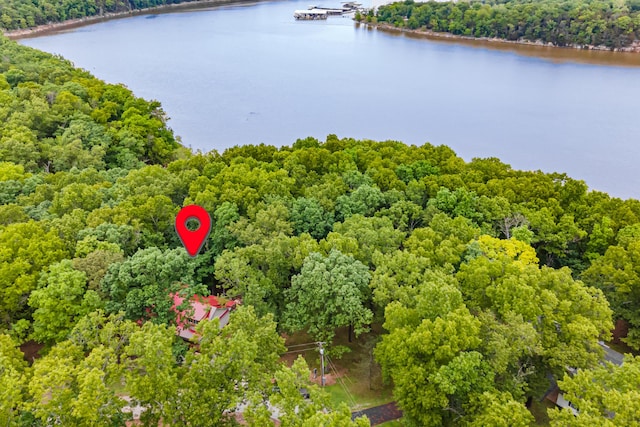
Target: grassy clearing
x=359, y=378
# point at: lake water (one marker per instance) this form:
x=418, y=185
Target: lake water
x=250, y=74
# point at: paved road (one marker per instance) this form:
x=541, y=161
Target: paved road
x=380, y=414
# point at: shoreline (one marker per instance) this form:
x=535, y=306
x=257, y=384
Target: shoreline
x=55, y=27
x=633, y=48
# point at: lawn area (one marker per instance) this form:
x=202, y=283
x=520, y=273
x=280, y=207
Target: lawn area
x=358, y=382
x=363, y=397
x=394, y=423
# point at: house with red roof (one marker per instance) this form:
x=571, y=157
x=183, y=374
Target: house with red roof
x=202, y=308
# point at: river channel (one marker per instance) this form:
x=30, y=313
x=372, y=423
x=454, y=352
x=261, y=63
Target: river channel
x=247, y=74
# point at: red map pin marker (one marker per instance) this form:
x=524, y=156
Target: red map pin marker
x=193, y=240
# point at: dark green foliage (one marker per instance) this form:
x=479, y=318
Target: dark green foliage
x=308, y=216
x=54, y=117
x=17, y=14
x=559, y=22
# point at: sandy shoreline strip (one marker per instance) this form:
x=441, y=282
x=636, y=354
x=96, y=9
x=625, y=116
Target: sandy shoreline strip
x=81, y=22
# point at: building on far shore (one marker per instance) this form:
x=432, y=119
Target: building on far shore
x=202, y=308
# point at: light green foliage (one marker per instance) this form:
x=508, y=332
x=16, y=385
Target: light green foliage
x=60, y=301
x=458, y=203
x=97, y=329
x=569, y=317
x=244, y=183
x=405, y=215
x=513, y=347
x=150, y=374
x=360, y=237
x=261, y=272
x=13, y=380
x=430, y=352
x=25, y=248
x=125, y=236
x=297, y=411
x=293, y=406
x=499, y=410
x=70, y=389
x=263, y=222
x=444, y=242
x=330, y=292
x=231, y=365
x=76, y=196
x=398, y=276
x=605, y=396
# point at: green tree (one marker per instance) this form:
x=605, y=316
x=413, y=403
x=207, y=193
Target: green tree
x=25, y=249
x=431, y=347
x=231, y=365
x=151, y=376
x=330, y=292
x=60, y=301
x=141, y=285
x=13, y=380
x=617, y=274
x=606, y=396
x=68, y=388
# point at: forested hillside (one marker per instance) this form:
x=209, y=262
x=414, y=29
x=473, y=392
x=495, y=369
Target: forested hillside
x=613, y=24
x=18, y=14
x=487, y=280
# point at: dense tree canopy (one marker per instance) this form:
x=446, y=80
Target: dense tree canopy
x=608, y=23
x=488, y=281
x=17, y=14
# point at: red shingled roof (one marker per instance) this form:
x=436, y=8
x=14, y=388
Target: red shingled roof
x=203, y=308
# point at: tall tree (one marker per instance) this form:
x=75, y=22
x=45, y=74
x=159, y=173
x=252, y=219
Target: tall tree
x=60, y=301
x=330, y=292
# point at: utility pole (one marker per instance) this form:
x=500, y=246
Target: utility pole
x=321, y=363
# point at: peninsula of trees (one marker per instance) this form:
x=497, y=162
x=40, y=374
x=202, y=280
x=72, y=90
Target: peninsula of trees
x=580, y=23
x=488, y=281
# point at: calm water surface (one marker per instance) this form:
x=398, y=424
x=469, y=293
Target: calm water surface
x=251, y=74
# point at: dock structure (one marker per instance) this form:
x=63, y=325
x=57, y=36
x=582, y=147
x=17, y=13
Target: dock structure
x=310, y=14
x=318, y=12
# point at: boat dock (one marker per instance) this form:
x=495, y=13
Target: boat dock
x=310, y=14
x=318, y=12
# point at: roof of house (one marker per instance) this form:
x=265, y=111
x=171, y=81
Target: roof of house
x=202, y=309
x=201, y=305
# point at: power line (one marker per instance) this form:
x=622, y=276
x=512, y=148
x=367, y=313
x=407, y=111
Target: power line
x=301, y=345
x=341, y=382
x=300, y=351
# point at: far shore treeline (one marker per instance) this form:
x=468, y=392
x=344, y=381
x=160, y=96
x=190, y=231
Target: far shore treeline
x=21, y=14
x=488, y=283
x=610, y=24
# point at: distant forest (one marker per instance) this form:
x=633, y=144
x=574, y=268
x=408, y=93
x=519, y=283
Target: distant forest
x=18, y=14
x=609, y=23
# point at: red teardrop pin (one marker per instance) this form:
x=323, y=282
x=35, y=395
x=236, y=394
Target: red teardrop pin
x=193, y=240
